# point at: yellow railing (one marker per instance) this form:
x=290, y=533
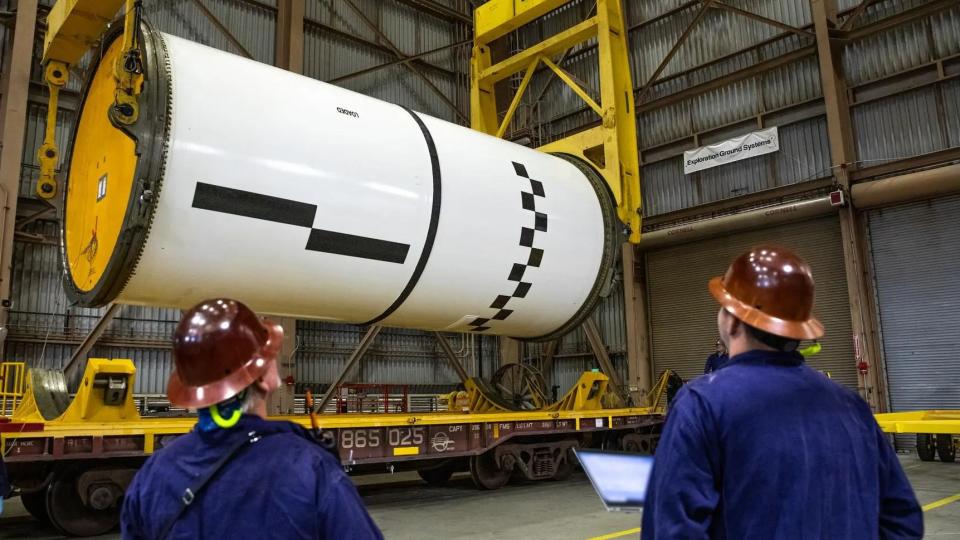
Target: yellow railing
x=13, y=379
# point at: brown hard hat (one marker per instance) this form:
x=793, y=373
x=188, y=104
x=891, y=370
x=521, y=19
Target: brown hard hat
x=220, y=347
x=770, y=288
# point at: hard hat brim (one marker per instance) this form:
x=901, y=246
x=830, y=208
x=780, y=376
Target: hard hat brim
x=183, y=395
x=808, y=329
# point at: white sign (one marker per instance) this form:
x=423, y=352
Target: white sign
x=746, y=146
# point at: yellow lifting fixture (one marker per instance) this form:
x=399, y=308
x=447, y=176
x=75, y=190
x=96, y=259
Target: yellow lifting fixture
x=73, y=27
x=610, y=147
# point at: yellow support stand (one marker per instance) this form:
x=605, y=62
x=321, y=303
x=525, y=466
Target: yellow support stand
x=105, y=396
x=610, y=147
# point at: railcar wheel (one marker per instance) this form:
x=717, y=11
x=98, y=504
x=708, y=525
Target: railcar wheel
x=486, y=472
x=564, y=468
x=71, y=516
x=945, y=448
x=926, y=447
x=436, y=476
x=36, y=504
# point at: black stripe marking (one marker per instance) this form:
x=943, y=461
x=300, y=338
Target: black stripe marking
x=502, y=314
x=431, y=229
x=237, y=202
x=479, y=322
x=500, y=301
x=520, y=169
x=536, y=257
x=357, y=246
x=526, y=237
x=522, y=289
x=253, y=205
x=537, y=188
x=516, y=273
x=527, y=200
x=541, y=222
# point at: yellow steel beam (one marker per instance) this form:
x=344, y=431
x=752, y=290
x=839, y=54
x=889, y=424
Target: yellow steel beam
x=620, y=116
x=483, y=100
x=565, y=77
x=610, y=148
x=556, y=44
x=527, y=77
x=73, y=26
x=498, y=18
x=920, y=422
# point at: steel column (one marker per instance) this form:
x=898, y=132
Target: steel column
x=15, y=86
x=354, y=359
x=281, y=401
x=639, y=370
x=510, y=351
x=289, y=44
x=859, y=289
x=592, y=332
x=77, y=362
x=549, y=353
x=451, y=357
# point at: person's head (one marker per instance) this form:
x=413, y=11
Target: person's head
x=223, y=353
x=766, y=301
x=721, y=346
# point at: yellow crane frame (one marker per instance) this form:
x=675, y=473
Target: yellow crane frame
x=73, y=27
x=610, y=147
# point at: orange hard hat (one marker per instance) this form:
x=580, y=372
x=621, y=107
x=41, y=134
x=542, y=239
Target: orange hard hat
x=770, y=288
x=220, y=347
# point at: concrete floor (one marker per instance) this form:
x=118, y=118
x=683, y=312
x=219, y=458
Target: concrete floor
x=405, y=508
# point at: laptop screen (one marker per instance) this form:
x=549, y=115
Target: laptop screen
x=620, y=479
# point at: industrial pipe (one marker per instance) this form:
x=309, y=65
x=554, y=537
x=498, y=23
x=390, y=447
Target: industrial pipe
x=908, y=187
x=306, y=200
x=769, y=216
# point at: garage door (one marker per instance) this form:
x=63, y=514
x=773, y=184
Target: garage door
x=916, y=254
x=683, y=315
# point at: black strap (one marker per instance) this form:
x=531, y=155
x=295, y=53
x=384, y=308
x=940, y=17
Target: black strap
x=190, y=494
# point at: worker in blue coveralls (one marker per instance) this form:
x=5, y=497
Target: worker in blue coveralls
x=716, y=360
x=4, y=483
x=768, y=447
x=237, y=475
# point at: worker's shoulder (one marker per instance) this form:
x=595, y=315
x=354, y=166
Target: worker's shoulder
x=733, y=381
x=292, y=444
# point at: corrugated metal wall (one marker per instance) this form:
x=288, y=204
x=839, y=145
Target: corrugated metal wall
x=44, y=329
x=918, y=121
x=789, y=97
x=330, y=54
x=915, y=253
x=683, y=315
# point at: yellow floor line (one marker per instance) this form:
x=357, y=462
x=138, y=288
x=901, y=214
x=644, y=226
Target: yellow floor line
x=942, y=502
x=617, y=534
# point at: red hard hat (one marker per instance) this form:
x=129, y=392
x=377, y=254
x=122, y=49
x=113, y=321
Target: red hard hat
x=770, y=288
x=220, y=347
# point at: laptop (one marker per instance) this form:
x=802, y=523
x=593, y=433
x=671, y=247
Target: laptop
x=619, y=478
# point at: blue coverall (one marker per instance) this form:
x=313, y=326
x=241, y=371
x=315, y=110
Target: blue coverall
x=715, y=361
x=4, y=483
x=283, y=486
x=768, y=448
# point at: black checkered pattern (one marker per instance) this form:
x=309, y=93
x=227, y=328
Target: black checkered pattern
x=528, y=199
